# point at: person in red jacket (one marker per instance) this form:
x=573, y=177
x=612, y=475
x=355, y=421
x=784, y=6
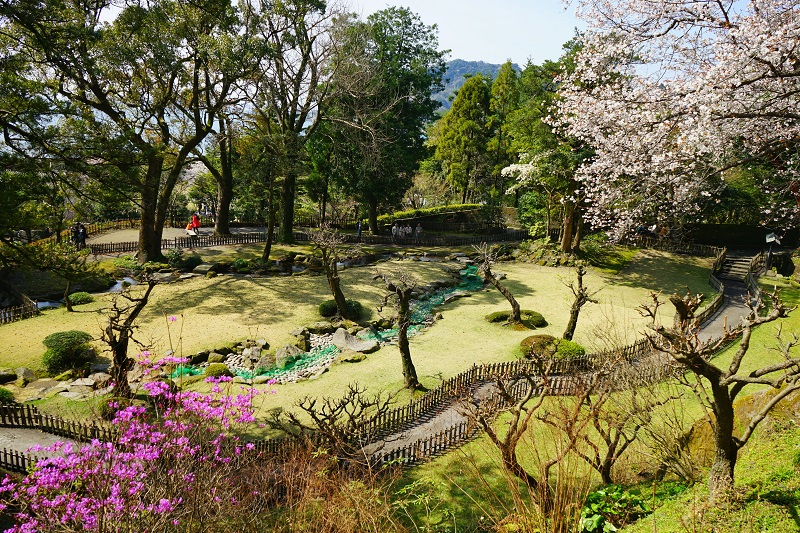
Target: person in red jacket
x=196, y=223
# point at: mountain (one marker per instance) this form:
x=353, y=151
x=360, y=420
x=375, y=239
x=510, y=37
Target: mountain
x=454, y=78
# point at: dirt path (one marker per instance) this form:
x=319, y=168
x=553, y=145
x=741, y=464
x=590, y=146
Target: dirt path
x=21, y=439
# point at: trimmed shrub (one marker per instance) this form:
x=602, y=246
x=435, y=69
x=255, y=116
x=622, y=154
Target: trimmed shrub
x=328, y=308
x=6, y=397
x=549, y=346
x=66, y=350
x=414, y=213
x=530, y=318
x=218, y=369
x=176, y=259
x=80, y=298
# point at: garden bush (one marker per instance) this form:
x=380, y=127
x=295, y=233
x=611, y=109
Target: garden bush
x=66, y=350
x=218, y=369
x=414, y=213
x=80, y=298
x=328, y=308
x=6, y=397
x=549, y=346
x=176, y=259
x=530, y=318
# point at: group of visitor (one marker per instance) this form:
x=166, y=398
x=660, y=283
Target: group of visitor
x=652, y=231
x=401, y=233
x=79, y=235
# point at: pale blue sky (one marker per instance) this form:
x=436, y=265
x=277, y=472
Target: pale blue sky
x=492, y=30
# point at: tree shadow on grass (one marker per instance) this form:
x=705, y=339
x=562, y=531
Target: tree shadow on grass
x=788, y=499
x=667, y=273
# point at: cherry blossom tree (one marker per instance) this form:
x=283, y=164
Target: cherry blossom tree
x=672, y=94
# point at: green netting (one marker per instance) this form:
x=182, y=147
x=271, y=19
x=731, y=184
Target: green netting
x=186, y=370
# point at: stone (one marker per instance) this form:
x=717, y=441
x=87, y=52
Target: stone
x=99, y=367
x=349, y=356
x=83, y=382
x=262, y=343
x=65, y=376
x=203, y=268
x=7, y=375
x=318, y=373
x=302, y=331
x=438, y=316
x=24, y=376
x=239, y=379
x=455, y=296
x=79, y=389
x=266, y=361
x=103, y=391
x=215, y=357
x=345, y=341
x=43, y=384
x=100, y=379
x=73, y=395
x=58, y=389
x=199, y=358
x=261, y=380
x=321, y=327
x=303, y=343
x=287, y=355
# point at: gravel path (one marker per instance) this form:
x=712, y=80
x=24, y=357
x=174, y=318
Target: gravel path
x=21, y=439
x=132, y=235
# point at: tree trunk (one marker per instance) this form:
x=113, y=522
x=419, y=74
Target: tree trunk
x=224, y=180
x=576, y=240
x=287, y=202
x=573, y=321
x=515, y=317
x=149, y=238
x=372, y=215
x=336, y=290
x=410, y=379
x=324, y=202
x=567, y=225
x=720, y=481
x=224, y=197
x=270, y=225
x=67, y=301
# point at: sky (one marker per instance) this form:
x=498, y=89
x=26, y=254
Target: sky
x=492, y=30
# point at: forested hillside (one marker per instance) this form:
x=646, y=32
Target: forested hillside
x=454, y=78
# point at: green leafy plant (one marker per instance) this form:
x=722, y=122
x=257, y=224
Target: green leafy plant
x=611, y=508
x=414, y=213
x=529, y=318
x=66, y=350
x=80, y=298
x=328, y=308
x=6, y=397
x=218, y=369
x=549, y=346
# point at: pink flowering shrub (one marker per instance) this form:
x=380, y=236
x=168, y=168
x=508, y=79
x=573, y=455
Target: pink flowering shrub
x=174, y=471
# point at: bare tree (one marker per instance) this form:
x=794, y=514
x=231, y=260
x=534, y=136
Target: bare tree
x=521, y=400
x=119, y=332
x=341, y=425
x=582, y=297
x=401, y=291
x=717, y=387
x=329, y=243
x=487, y=258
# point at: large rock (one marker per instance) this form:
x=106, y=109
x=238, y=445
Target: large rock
x=455, y=296
x=349, y=356
x=321, y=327
x=7, y=375
x=24, y=376
x=287, y=355
x=215, y=357
x=345, y=341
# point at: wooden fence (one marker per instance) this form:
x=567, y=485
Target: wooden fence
x=751, y=279
x=28, y=309
x=205, y=241
x=27, y=416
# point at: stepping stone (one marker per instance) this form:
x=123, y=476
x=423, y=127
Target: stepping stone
x=204, y=268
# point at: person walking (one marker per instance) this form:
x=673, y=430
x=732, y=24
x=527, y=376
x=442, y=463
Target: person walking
x=82, y=234
x=395, y=233
x=196, y=223
x=418, y=232
x=358, y=230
